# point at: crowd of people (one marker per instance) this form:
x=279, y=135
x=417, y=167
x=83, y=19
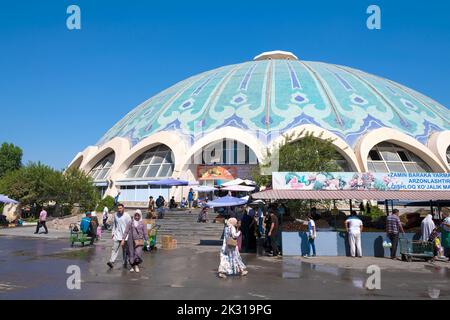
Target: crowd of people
x=246, y=228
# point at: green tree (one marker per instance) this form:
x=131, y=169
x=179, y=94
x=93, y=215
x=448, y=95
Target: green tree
x=302, y=152
x=77, y=188
x=37, y=184
x=108, y=202
x=10, y=158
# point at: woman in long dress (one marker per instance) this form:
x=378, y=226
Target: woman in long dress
x=427, y=226
x=230, y=260
x=137, y=233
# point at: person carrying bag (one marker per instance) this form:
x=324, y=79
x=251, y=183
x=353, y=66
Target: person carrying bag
x=137, y=233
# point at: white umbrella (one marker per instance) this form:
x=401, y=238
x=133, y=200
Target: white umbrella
x=233, y=182
x=204, y=188
x=239, y=188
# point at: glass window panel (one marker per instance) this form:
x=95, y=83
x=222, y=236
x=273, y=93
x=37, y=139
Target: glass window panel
x=102, y=174
x=166, y=170
x=403, y=156
x=132, y=172
x=448, y=155
x=146, y=160
x=395, y=167
x=370, y=166
x=390, y=155
x=157, y=158
x=152, y=171
x=374, y=155
x=380, y=167
x=422, y=167
x=415, y=158
x=94, y=174
x=140, y=173
x=411, y=167
x=104, y=164
x=168, y=157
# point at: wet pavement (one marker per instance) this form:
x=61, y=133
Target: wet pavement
x=36, y=269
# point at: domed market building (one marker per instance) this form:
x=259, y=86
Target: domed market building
x=216, y=126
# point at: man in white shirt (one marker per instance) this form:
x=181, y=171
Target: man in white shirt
x=354, y=227
x=121, y=220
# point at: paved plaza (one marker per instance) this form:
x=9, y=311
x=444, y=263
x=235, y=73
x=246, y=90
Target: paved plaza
x=36, y=269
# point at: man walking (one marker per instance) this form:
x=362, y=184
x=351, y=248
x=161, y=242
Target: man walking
x=354, y=228
x=393, y=229
x=121, y=220
x=42, y=221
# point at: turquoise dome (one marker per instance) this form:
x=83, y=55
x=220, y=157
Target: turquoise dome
x=273, y=96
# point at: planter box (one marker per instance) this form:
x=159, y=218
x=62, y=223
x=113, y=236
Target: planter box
x=332, y=243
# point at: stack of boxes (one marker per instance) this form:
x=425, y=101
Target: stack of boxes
x=168, y=242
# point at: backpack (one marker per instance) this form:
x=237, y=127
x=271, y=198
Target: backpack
x=85, y=224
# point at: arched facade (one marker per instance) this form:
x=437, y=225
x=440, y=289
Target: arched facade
x=377, y=136
x=439, y=144
x=252, y=105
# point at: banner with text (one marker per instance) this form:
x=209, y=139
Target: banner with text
x=360, y=181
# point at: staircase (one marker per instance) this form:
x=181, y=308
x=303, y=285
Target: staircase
x=183, y=227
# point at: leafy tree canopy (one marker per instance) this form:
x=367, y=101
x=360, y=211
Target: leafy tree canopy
x=301, y=152
x=37, y=184
x=10, y=158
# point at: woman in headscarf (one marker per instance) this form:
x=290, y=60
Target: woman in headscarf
x=230, y=259
x=427, y=226
x=137, y=233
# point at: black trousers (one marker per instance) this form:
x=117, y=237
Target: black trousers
x=41, y=224
x=274, y=243
x=394, y=240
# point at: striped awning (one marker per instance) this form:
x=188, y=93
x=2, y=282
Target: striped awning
x=352, y=194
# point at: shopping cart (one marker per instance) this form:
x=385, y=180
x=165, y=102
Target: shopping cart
x=152, y=233
x=410, y=249
x=77, y=236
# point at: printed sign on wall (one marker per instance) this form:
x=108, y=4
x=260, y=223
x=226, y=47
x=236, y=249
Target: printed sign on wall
x=360, y=181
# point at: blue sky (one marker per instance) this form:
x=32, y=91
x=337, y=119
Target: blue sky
x=61, y=90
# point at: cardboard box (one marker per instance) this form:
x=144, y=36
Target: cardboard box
x=166, y=241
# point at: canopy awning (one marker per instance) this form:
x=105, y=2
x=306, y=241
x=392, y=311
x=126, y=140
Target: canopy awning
x=352, y=194
x=238, y=181
x=6, y=199
x=204, y=188
x=169, y=182
x=226, y=201
x=239, y=188
x=100, y=183
x=132, y=183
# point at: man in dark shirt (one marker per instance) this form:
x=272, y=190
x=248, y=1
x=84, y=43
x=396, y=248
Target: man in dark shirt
x=273, y=233
x=393, y=229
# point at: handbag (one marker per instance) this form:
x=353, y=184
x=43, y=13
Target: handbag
x=231, y=242
x=139, y=243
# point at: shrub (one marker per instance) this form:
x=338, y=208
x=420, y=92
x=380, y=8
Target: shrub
x=108, y=202
x=375, y=213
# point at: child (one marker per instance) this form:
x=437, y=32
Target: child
x=434, y=238
x=99, y=233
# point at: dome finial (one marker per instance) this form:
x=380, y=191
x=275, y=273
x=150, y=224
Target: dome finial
x=277, y=54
